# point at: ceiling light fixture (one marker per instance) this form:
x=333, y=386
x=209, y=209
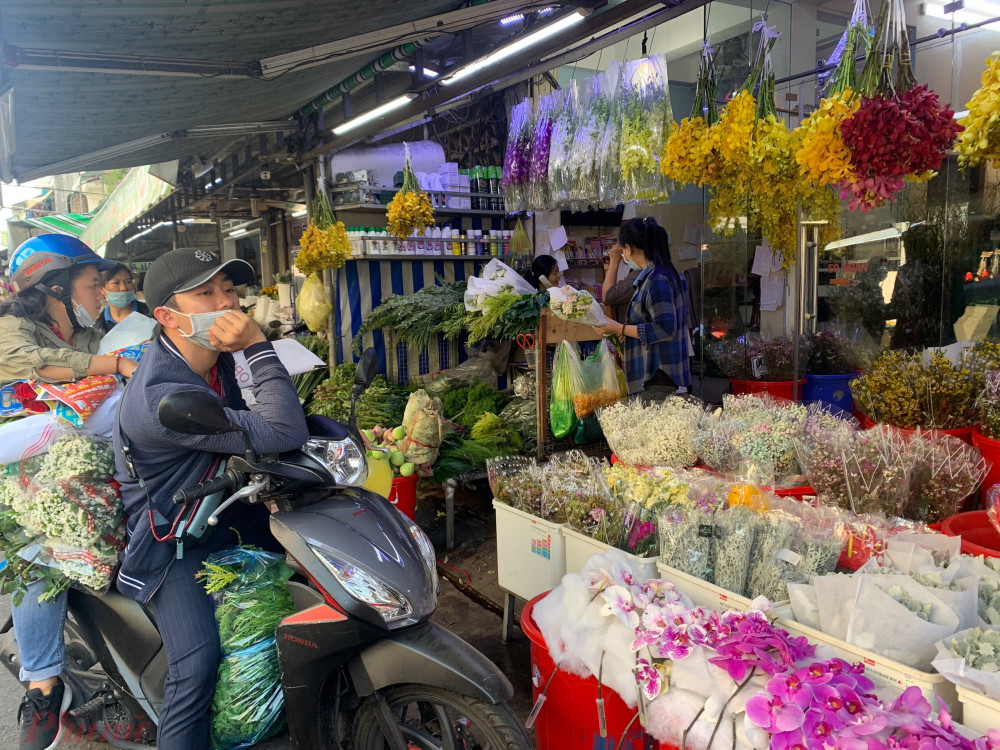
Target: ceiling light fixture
x=428, y=73
x=514, y=47
x=508, y=20
x=374, y=114
x=300, y=212
x=239, y=232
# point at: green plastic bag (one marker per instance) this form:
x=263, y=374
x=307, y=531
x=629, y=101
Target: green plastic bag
x=567, y=382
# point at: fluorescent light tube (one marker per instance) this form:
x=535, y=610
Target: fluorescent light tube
x=238, y=232
x=297, y=214
x=508, y=20
x=428, y=73
x=514, y=47
x=374, y=114
x=959, y=16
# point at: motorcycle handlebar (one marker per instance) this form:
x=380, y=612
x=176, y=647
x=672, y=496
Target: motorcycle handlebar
x=227, y=481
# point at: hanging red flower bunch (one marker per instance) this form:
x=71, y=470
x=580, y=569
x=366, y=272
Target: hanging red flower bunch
x=900, y=131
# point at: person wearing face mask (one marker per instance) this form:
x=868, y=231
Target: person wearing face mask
x=46, y=335
x=118, y=287
x=192, y=298
x=544, y=273
x=657, y=338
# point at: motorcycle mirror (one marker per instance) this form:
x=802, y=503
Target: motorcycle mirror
x=367, y=369
x=194, y=412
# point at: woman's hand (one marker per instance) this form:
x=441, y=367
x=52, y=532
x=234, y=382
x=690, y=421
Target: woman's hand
x=127, y=367
x=616, y=253
x=610, y=328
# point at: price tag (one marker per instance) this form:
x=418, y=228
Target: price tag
x=790, y=557
x=706, y=531
x=757, y=365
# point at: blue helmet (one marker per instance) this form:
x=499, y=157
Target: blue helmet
x=34, y=259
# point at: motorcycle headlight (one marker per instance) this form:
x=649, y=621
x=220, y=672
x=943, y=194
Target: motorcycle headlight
x=344, y=459
x=427, y=551
x=365, y=587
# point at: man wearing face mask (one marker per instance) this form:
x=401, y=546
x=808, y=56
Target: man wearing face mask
x=192, y=298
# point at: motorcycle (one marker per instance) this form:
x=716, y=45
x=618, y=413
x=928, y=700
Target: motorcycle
x=362, y=665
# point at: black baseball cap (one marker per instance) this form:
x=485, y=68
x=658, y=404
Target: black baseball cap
x=185, y=268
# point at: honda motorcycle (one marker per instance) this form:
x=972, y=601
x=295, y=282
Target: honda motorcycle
x=362, y=665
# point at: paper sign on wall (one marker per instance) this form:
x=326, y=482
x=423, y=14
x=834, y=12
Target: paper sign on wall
x=557, y=237
x=560, y=257
x=772, y=289
x=689, y=252
x=765, y=262
x=692, y=233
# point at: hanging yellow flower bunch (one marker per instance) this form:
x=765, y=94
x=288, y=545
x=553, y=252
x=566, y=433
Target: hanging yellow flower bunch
x=980, y=141
x=819, y=146
x=325, y=243
x=773, y=182
x=410, y=210
x=686, y=158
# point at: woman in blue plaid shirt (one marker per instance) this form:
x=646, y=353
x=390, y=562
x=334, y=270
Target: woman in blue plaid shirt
x=656, y=333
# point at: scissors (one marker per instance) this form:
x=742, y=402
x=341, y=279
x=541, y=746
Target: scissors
x=526, y=341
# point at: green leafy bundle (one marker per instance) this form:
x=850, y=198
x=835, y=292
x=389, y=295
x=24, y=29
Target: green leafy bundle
x=479, y=400
x=381, y=404
x=416, y=318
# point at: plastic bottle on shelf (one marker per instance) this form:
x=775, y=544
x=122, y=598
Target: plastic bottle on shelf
x=457, y=248
x=474, y=187
x=494, y=188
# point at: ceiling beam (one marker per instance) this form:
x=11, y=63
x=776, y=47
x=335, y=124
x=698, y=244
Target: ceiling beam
x=444, y=23
x=25, y=58
x=515, y=70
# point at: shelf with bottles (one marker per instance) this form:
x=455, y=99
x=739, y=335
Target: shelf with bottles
x=437, y=242
x=474, y=192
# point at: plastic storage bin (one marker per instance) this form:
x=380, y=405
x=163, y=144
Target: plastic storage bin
x=580, y=548
x=832, y=390
x=777, y=388
x=979, y=713
x=531, y=554
x=702, y=593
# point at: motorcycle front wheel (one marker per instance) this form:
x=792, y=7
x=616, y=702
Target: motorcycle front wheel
x=433, y=719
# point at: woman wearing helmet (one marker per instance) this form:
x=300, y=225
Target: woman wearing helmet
x=46, y=335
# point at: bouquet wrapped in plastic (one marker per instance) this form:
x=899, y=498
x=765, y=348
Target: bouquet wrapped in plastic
x=517, y=160
x=686, y=540
x=737, y=531
x=609, y=173
x=539, y=186
x=251, y=598
x=561, y=144
x=944, y=471
x=576, y=305
x=584, y=163
x=62, y=517
x=600, y=381
x=647, y=121
x=714, y=440
x=665, y=438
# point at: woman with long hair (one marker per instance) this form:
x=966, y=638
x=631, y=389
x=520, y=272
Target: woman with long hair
x=656, y=332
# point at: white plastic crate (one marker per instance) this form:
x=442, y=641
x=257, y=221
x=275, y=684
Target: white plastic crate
x=702, y=593
x=531, y=555
x=580, y=548
x=979, y=713
x=880, y=670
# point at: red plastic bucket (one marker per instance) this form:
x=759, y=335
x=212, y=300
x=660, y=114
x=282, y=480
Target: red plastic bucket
x=777, y=388
x=568, y=720
x=799, y=493
x=962, y=433
x=990, y=449
x=404, y=495
x=978, y=535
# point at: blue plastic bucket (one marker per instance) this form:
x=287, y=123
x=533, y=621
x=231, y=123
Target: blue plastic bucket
x=832, y=390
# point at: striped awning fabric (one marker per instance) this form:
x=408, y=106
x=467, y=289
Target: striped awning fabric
x=72, y=224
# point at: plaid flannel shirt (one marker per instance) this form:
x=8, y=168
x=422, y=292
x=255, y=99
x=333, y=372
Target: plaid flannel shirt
x=659, y=313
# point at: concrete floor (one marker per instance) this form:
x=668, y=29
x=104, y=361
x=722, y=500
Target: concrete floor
x=469, y=605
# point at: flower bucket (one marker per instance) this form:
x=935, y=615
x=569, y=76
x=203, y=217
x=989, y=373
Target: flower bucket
x=978, y=535
x=990, y=450
x=776, y=388
x=568, y=720
x=832, y=390
x=531, y=556
x=404, y=495
x=962, y=433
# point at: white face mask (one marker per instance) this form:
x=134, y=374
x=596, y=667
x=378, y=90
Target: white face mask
x=200, y=323
x=83, y=317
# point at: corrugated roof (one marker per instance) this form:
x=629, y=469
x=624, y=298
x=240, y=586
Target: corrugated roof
x=59, y=114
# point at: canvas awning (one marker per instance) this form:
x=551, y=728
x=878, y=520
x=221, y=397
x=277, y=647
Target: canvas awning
x=19, y=230
x=142, y=188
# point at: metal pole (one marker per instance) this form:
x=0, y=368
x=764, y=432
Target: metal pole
x=799, y=291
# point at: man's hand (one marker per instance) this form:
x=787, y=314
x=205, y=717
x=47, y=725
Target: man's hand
x=235, y=331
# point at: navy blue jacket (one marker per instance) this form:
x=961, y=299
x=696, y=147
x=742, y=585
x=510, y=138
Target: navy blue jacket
x=169, y=461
